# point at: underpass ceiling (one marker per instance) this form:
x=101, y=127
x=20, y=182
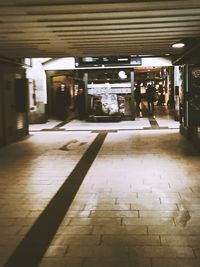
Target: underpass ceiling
x=61, y=28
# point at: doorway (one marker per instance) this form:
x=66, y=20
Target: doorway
x=160, y=105
x=159, y=77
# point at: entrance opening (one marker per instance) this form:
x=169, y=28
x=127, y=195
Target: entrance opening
x=111, y=94
x=154, y=92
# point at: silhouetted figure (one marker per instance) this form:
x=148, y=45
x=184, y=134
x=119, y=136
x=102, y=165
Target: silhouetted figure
x=63, y=99
x=80, y=103
x=150, y=96
x=161, y=96
x=138, y=96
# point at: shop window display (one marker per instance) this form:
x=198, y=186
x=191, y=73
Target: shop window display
x=105, y=105
x=109, y=95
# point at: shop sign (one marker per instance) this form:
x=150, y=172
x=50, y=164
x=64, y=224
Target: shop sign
x=136, y=61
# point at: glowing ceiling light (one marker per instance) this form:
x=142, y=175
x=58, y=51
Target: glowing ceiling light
x=178, y=45
x=122, y=74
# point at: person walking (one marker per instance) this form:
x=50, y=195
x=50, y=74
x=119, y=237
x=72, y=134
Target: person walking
x=161, y=96
x=80, y=102
x=63, y=99
x=150, y=96
x=138, y=97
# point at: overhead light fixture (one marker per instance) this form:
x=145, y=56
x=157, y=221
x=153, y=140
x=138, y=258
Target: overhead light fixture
x=178, y=45
x=122, y=74
x=122, y=59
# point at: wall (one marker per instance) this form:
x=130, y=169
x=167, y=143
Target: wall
x=37, y=91
x=1, y=112
x=13, y=123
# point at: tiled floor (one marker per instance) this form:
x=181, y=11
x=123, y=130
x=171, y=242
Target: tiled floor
x=76, y=125
x=138, y=206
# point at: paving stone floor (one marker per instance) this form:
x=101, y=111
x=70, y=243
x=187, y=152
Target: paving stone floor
x=138, y=206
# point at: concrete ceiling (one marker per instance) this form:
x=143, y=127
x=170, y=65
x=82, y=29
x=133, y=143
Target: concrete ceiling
x=61, y=28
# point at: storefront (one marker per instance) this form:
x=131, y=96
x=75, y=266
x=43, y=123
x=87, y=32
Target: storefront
x=109, y=84
x=110, y=94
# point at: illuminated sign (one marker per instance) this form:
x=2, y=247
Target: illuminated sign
x=136, y=61
x=107, y=61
